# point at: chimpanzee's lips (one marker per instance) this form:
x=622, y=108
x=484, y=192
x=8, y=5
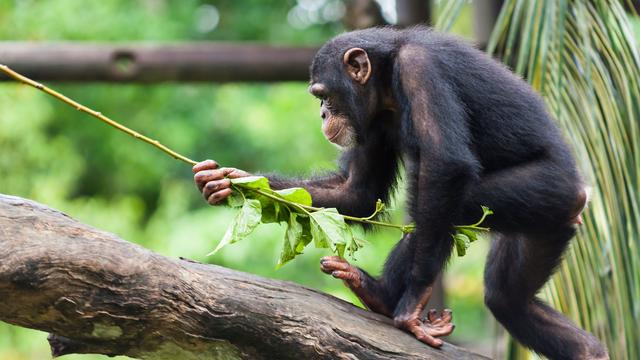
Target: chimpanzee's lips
x=335, y=135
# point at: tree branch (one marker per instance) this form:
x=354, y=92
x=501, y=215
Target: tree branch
x=100, y=294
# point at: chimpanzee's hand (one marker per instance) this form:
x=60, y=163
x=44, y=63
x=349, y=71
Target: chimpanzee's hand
x=213, y=181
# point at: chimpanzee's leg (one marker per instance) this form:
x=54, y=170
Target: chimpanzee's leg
x=379, y=295
x=543, y=196
x=382, y=295
x=537, y=207
x=517, y=267
x=538, y=195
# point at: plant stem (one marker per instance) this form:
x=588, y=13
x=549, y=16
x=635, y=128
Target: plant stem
x=472, y=227
x=307, y=209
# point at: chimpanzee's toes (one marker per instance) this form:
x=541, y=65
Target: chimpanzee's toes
x=339, y=268
x=438, y=325
x=417, y=328
x=429, y=329
x=329, y=264
x=434, y=319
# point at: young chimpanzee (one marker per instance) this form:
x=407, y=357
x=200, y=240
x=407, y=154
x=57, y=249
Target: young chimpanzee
x=470, y=133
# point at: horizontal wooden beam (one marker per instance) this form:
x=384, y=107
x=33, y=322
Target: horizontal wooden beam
x=148, y=63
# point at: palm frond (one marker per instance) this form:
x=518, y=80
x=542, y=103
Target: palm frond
x=582, y=57
x=448, y=12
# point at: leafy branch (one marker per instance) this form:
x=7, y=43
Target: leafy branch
x=258, y=203
x=466, y=234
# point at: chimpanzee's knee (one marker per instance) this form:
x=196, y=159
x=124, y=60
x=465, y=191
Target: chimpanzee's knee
x=499, y=305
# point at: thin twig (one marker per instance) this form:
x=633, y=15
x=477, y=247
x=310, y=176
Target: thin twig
x=94, y=113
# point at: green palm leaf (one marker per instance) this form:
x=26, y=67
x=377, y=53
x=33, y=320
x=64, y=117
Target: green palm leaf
x=582, y=57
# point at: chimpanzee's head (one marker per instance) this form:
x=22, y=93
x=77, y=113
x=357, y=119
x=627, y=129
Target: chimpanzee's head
x=345, y=76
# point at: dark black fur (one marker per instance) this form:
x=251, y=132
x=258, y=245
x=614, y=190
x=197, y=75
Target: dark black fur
x=489, y=141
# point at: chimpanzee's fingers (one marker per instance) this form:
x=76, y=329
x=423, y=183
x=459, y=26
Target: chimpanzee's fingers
x=215, y=185
x=204, y=165
x=218, y=196
x=236, y=173
x=201, y=178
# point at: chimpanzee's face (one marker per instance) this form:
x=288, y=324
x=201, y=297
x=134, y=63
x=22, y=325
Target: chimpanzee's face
x=345, y=102
x=335, y=124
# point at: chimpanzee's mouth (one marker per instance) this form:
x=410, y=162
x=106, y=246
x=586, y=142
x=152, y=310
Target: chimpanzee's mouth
x=336, y=134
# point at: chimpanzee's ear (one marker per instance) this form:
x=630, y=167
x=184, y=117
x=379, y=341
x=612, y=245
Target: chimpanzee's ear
x=358, y=65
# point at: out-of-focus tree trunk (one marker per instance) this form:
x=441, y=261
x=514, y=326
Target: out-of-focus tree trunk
x=361, y=14
x=412, y=12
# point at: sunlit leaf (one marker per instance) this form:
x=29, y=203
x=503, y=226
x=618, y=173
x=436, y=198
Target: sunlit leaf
x=329, y=230
x=296, y=195
x=462, y=243
x=291, y=236
x=470, y=234
x=245, y=221
x=305, y=237
x=583, y=57
x=252, y=182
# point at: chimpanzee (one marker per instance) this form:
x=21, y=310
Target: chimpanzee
x=469, y=133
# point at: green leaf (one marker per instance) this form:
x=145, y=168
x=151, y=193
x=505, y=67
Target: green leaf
x=236, y=199
x=472, y=235
x=252, y=182
x=330, y=231
x=247, y=219
x=462, y=243
x=354, y=245
x=320, y=238
x=291, y=236
x=296, y=195
x=305, y=237
x=272, y=212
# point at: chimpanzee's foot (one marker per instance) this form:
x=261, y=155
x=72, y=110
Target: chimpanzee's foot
x=364, y=286
x=430, y=327
x=339, y=268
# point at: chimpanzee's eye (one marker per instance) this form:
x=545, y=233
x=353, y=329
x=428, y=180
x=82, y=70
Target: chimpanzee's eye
x=326, y=104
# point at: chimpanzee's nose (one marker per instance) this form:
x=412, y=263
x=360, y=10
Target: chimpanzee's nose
x=323, y=114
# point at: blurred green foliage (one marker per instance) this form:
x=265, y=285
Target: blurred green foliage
x=70, y=161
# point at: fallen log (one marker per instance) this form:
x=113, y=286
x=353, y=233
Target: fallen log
x=96, y=293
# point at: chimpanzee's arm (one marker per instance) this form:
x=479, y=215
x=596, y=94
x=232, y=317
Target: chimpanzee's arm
x=444, y=167
x=367, y=173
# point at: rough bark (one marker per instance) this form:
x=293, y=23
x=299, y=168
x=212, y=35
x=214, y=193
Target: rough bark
x=100, y=294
